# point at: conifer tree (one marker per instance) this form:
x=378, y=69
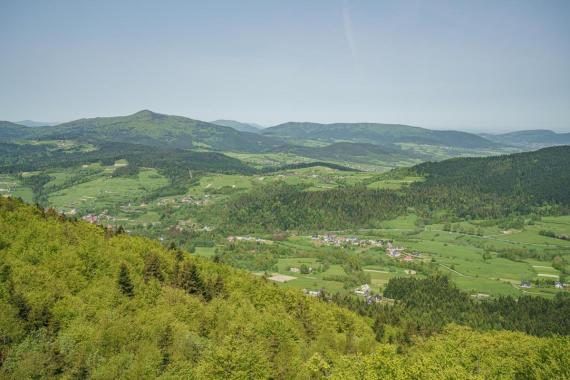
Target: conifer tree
x=152, y=267
x=124, y=281
x=189, y=279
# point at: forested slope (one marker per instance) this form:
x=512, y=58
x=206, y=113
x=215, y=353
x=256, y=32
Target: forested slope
x=150, y=128
x=77, y=301
x=490, y=187
x=377, y=133
x=12, y=131
x=542, y=175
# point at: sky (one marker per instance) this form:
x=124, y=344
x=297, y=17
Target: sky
x=487, y=65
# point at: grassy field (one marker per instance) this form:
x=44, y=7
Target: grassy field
x=459, y=255
x=394, y=184
x=104, y=191
x=11, y=186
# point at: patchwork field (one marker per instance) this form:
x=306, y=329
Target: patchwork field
x=104, y=191
x=479, y=256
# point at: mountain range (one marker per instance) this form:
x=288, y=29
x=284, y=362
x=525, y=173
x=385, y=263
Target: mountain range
x=339, y=142
x=150, y=128
x=377, y=134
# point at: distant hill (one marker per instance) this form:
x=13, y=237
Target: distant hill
x=541, y=176
x=27, y=157
x=10, y=130
x=244, y=127
x=149, y=128
x=353, y=152
x=530, y=138
x=33, y=124
x=377, y=134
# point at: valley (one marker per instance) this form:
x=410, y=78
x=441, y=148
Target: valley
x=382, y=232
x=177, y=204
x=285, y=190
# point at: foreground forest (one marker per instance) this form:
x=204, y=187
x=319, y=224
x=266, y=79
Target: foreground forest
x=80, y=301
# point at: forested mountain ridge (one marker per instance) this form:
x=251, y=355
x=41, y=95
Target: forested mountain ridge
x=542, y=175
x=10, y=130
x=490, y=187
x=16, y=158
x=374, y=144
x=80, y=301
x=150, y=128
x=353, y=152
x=377, y=133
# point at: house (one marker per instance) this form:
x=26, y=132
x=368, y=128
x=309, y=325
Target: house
x=377, y=298
x=295, y=270
x=312, y=293
x=558, y=285
x=90, y=218
x=394, y=251
x=526, y=284
x=408, y=258
x=363, y=290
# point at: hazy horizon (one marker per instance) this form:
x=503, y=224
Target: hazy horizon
x=483, y=66
x=482, y=130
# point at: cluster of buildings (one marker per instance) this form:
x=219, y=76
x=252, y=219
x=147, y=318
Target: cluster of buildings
x=527, y=284
x=300, y=270
x=365, y=291
x=313, y=293
x=90, y=218
x=394, y=251
x=185, y=225
x=197, y=202
x=398, y=253
x=338, y=241
x=233, y=239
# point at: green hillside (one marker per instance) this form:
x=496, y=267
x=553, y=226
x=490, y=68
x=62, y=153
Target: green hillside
x=78, y=301
x=355, y=152
x=377, y=134
x=32, y=157
x=490, y=187
x=12, y=131
x=540, y=176
x=149, y=128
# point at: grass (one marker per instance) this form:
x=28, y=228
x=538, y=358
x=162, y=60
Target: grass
x=407, y=222
x=205, y=251
x=104, y=192
x=11, y=186
x=393, y=184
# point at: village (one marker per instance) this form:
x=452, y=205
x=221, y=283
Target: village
x=341, y=241
x=234, y=239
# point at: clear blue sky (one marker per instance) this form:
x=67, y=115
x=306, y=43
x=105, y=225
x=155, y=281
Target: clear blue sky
x=440, y=64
